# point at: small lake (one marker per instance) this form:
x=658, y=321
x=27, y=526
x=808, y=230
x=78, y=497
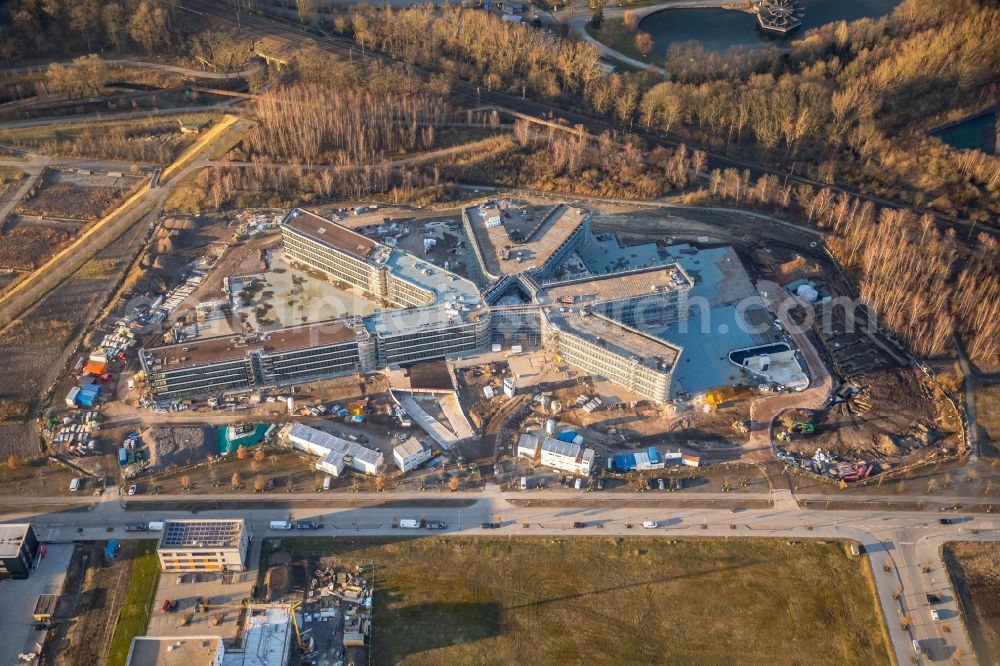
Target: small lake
x=979, y=133
x=718, y=29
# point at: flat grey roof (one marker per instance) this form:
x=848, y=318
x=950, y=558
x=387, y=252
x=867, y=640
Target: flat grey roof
x=630, y=284
x=201, y=533
x=624, y=340
x=558, y=225
x=526, y=441
x=330, y=233
x=174, y=651
x=333, y=443
x=447, y=286
x=11, y=536
x=204, y=351
x=561, y=448
x=411, y=446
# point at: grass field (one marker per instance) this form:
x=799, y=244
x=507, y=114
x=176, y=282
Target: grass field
x=134, y=617
x=628, y=601
x=975, y=571
x=615, y=34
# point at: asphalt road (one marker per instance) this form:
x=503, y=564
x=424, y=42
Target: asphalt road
x=898, y=544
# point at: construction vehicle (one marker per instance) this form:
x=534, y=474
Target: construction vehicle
x=304, y=643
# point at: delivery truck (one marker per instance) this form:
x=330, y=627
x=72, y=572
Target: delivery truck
x=409, y=523
x=281, y=525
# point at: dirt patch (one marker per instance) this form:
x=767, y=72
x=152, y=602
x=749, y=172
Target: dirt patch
x=76, y=197
x=278, y=577
x=177, y=447
x=975, y=572
x=26, y=246
x=892, y=414
x=91, y=597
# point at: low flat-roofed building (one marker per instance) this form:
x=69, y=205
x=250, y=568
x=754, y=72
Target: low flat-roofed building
x=410, y=454
x=567, y=456
x=527, y=446
x=176, y=651
x=18, y=550
x=335, y=453
x=203, y=544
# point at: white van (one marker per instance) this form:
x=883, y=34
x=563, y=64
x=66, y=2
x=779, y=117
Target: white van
x=579, y=484
x=327, y=482
x=650, y=524
x=74, y=485
x=524, y=483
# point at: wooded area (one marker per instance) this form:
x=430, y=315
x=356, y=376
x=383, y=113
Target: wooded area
x=923, y=285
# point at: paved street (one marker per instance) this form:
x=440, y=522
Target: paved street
x=899, y=544
x=18, y=597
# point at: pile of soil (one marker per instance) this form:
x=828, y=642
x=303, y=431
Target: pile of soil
x=176, y=447
x=278, y=576
x=798, y=268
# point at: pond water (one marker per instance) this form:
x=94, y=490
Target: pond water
x=979, y=132
x=718, y=29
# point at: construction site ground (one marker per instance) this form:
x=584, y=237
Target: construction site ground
x=77, y=196
x=92, y=595
x=900, y=414
x=289, y=572
x=35, y=351
x=223, y=592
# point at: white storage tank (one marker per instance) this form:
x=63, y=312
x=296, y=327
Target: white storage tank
x=290, y=402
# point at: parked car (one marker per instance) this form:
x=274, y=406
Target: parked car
x=662, y=484
x=933, y=598
x=650, y=524
x=935, y=615
x=578, y=524
x=74, y=485
x=435, y=524
x=132, y=489
x=490, y=526
x=306, y=525
x=945, y=521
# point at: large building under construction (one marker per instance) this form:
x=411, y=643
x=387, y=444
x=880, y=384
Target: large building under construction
x=599, y=323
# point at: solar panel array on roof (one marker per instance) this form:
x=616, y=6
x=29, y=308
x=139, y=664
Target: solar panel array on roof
x=201, y=533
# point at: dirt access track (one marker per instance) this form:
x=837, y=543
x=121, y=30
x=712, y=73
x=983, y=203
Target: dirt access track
x=25, y=293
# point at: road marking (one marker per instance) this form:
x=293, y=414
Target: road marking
x=905, y=543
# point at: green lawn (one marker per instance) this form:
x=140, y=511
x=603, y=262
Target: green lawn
x=543, y=600
x=134, y=617
x=614, y=34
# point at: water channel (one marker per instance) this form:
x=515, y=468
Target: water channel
x=719, y=29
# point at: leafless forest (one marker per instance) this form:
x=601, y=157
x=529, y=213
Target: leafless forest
x=316, y=123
